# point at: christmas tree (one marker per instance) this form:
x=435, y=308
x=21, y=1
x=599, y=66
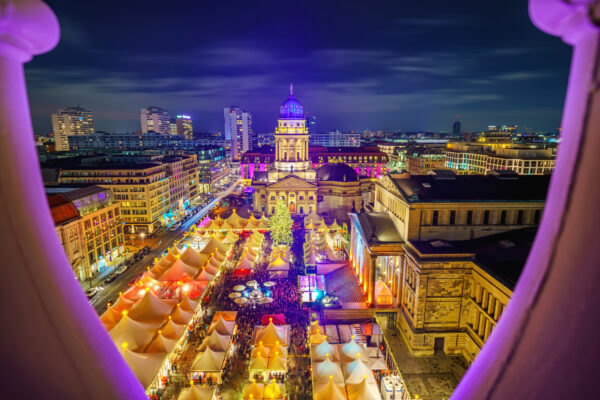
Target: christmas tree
x=281, y=225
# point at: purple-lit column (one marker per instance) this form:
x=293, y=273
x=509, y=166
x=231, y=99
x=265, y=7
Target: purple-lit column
x=54, y=345
x=546, y=343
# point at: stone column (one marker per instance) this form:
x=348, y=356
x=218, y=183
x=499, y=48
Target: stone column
x=55, y=335
x=551, y=320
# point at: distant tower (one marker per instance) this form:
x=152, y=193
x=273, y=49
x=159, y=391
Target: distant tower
x=184, y=126
x=311, y=123
x=291, y=137
x=238, y=129
x=71, y=121
x=155, y=119
x=456, y=129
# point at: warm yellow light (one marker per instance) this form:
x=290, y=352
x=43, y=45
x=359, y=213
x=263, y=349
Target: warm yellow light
x=124, y=345
x=124, y=313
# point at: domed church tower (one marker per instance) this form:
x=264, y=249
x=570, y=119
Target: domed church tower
x=291, y=140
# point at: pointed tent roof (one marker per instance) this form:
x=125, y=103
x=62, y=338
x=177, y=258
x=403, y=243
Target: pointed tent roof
x=378, y=363
x=135, y=334
x=276, y=364
x=215, y=342
x=383, y=294
x=270, y=335
x=317, y=338
x=188, y=304
x=363, y=391
x=226, y=226
x=231, y=238
x=210, y=270
x=334, y=226
x=122, y=303
x=278, y=351
x=327, y=368
x=273, y=391
x=144, y=365
x=222, y=327
x=260, y=349
x=150, y=308
x=351, y=349
x=161, y=344
x=216, y=263
x=110, y=317
x=357, y=371
x=258, y=362
x=213, y=226
x=312, y=217
x=180, y=316
x=315, y=328
x=278, y=265
x=196, y=392
x=193, y=258
x=330, y=391
x=321, y=350
x=310, y=259
x=172, y=330
x=213, y=245
x=234, y=218
x=205, y=276
x=244, y=263
x=178, y=270
x=263, y=224
x=254, y=389
x=252, y=222
x=208, y=360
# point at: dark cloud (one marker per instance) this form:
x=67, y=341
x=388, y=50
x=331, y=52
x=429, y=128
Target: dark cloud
x=381, y=65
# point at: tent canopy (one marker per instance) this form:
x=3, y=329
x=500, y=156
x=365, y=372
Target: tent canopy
x=258, y=363
x=144, y=365
x=222, y=327
x=330, y=391
x=279, y=265
x=327, y=368
x=215, y=341
x=272, y=335
x=150, y=309
x=135, y=334
x=208, y=360
x=254, y=389
x=193, y=258
x=196, y=392
x=363, y=391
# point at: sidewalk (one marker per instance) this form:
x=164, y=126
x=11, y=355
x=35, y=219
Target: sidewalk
x=99, y=277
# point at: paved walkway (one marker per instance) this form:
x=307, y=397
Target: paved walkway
x=342, y=283
x=432, y=377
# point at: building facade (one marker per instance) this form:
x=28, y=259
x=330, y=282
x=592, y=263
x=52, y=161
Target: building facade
x=72, y=121
x=183, y=125
x=155, y=119
x=238, y=129
x=335, y=139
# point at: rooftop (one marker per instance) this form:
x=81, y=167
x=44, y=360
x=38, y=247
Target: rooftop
x=471, y=188
x=377, y=227
x=502, y=255
x=62, y=209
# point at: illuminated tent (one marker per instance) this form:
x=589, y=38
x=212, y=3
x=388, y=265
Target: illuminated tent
x=178, y=271
x=317, y=338
x=235, y=220
x=215, y=342
x=252, y=222
x=222, y=326
x=180, y=316
x=321, y=351
x=161, y=344
x=165, y=262
x=363, y=390
x=258, y=363
x=220, y=235
x=135, y=334
x=226, y=226
x=310, y=259
x=329, y=391
x=188, y=304
x=323, y=370
x=278, y=351
x=110, y=317
x=150, y=309
x=244, y=263
x=263, y=224
x=349, y=351
x=196, y=392
x=210, y=270
x=312, y=217
x=334, y=226
x=273, y=390
x=278, y=265
x=315, y=328
x=144, y=365
x=253, y=391
x=205, y=276
x=231, y=238
x=276, y=364
x=272, y=335
x=213, y=245
x=172, y=330
x=309, y=226
x=208, y=361
x=213, y=226
x=357, y=371
x=193, y=258
x=377, y=363
x=383, y=295
x=260, y=349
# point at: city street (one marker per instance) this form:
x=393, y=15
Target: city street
x=165, y=239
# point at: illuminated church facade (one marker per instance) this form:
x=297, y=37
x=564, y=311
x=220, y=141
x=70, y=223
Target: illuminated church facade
x=291, y=177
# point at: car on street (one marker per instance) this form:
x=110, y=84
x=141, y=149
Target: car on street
x=110, y=278
x=91, y=292
x=122, y=268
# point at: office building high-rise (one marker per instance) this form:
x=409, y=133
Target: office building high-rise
x=155, y=119
x=173, y=126
x=311, y=124
x=456, y=129
x=71, y=121
x=184, y=126
x=238, y=129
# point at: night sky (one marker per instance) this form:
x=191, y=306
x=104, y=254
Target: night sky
x=389, y=65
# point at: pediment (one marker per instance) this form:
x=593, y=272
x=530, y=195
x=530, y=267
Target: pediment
x=388, y=184
x=292, y=182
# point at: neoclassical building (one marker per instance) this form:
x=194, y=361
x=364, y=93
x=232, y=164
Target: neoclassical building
x=291, y=176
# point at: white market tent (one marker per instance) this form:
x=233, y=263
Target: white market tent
x=323, y=370
x=214, y=245
x=144, y=365
x=196, y=392
x=161, y=344
x=135, y=334
x=383, y=294
x=258, y=363
x=276, y=364
x=208, y=361
x=172, y=330
x=150, y=309
x=222, y=326
x=363, y=391
x=351, y=351
x=357, y=371
x=321, y=350
x=272, y=335
x=278, y=265
x=330, y=391
x=180, y=316
x=193, y=258
x=215, y=342
x=253, y=391
x=273, y=391
x=178, y=270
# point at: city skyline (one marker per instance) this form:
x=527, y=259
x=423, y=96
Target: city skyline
x=408, y=69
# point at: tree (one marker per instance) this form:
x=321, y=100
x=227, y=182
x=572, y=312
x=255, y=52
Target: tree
x=281, y=224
